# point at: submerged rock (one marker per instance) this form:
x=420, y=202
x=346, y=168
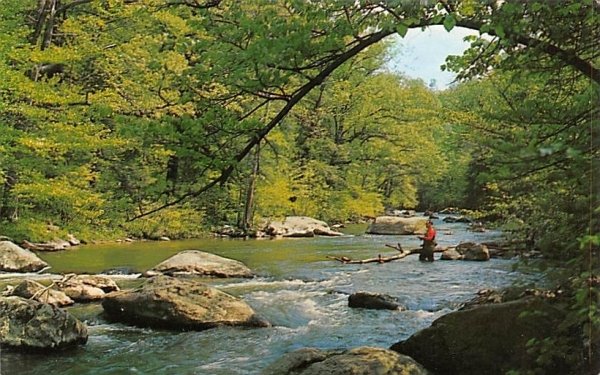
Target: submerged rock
x=376, y=301
x=362, y=360
x=395, y=225
x=167, y=302
x=457, y=219
x=13, y=258
x=119, y=271
x=32, y=325
x=196, y=262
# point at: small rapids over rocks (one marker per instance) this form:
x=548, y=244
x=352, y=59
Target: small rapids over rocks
x=301, y=292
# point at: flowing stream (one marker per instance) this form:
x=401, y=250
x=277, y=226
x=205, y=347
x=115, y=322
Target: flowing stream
x=301, y=292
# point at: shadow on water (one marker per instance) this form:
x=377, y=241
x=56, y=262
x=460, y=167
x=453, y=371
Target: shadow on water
x=298, y=289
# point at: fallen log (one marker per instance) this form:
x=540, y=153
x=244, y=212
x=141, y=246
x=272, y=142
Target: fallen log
x=384, y=259
x=398, y=247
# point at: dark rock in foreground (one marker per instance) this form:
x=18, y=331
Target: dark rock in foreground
x=362, y=360
x=490, y=339
x=167, y=302
x=32, y=325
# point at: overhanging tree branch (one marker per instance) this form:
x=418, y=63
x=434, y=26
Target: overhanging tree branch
x=568, y=57
x=294, y=99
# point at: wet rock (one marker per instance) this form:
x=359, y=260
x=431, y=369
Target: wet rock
x=119, y=271
x=512, y=293
x=229, y=231
x=13, y=258
x=401, y=213
x=376, y=301
x=167, y=302
x=34, y=290
x=32, y=325
x=457, y=219
x=490, y=338
x=477, y=227
x=362, y=360
x=398, y=225
x=194, y=262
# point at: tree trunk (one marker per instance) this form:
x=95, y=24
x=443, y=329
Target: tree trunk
x=8, y=207
x=249, y=203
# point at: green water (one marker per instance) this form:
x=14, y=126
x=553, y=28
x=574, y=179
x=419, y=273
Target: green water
x=263, y=255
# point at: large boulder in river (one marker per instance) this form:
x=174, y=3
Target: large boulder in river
x=182, y=304
x=490, y=339
x=358, y=361
x=33, y=290
x=299, y=226
x=473, y=251
x=194, y=262
x=13, y=258
x=32, y=325
x=86, y=288
x=398, y=225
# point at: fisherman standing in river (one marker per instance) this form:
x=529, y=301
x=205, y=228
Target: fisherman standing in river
x=428, y=243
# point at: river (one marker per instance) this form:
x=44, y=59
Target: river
x=301, y=292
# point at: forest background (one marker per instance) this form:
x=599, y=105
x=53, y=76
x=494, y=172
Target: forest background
x=153, y=118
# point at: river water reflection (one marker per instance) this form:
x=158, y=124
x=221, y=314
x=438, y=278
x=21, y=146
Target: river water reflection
x=301, y=292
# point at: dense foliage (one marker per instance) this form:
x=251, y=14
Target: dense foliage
x=159, y=117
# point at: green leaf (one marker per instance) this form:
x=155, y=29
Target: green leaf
x=449, y=22
x=536, y=7
x=500, y=31
x=437, y=19
x=411, y=21
x=401, y=29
